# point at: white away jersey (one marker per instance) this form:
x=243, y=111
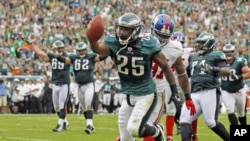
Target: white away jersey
x=172, y=51
x=186, y=53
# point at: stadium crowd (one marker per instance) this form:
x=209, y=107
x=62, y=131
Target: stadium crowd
x=66, y=20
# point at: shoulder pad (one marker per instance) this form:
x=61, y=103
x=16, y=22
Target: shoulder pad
x=109, y=38
x=243, y=60
x=92, y=53
x=175, y=44
x=149, y=41
x=218, y=55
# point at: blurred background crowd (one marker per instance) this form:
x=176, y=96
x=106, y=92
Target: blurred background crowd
x=67, y=20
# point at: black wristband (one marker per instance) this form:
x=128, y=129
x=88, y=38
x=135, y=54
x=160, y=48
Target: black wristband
x=61, y=59
x=174, y=89
x=187, y=96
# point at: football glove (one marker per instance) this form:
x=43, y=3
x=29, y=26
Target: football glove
x=177, y=115
x=190, y=105
x=175, y=98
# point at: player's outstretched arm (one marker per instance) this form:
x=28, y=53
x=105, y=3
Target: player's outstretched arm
x=100, y=49
x=94, y=33
x=30, y=40
x=40, y=53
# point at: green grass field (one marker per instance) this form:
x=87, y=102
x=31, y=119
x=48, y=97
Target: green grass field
x=28, y=127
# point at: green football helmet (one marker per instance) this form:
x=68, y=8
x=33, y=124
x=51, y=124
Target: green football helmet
x=130, y=21
x=229, y=51
x=58, y=44
x=204, y=43
x=228, y=47
x=81, y=46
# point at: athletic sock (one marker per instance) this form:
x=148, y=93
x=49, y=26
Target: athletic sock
x=194, y=127
x=220, y=130
x=148, y=139
x=169, y=125
x=232, y=119
x=243, y=120
x=148, y=131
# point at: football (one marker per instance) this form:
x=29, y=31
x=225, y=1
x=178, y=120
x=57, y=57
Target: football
x=95, y=29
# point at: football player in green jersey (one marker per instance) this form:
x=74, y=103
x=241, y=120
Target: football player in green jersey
x=133, y=56
x=83, y=67
x=60, y=80
x=233, y=87
x=205, y=67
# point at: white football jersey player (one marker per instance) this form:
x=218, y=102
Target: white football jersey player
x=172, y=50
x=187, y=51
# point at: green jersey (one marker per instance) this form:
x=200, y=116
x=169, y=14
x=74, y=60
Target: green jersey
x=134, y=63
x=201, y=79
x=12, y=49
x=227, y=82
x=60, y=70
x=83, y=67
